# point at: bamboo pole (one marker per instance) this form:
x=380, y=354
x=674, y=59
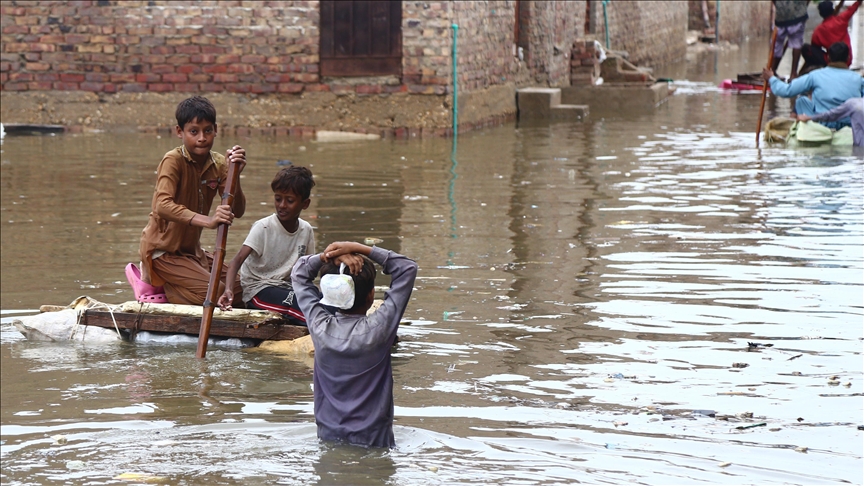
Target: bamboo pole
x=765, y=86
x=218, y=260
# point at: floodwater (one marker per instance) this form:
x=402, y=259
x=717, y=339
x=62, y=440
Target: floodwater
x=584, y=304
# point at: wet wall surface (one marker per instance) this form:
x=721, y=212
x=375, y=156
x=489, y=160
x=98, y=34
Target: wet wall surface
x=640, y=298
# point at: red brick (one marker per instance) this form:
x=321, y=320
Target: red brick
x=227, y=59
x=15, y=86
x=123, y=78
x=134, y=88
x=39, y=85
x=238, y=87
x=96, y=87
x=212, y=87
x=400, y=133
x=16, y=47
x=186, y=87
x=212, y=50
x=147, y=78
x=162, y=50
x=37, y=66
x=174, y=78
x=263, y=88
x=160, y=87
x=200, y=78
x=252, y=59
x=71, y=77
x=51, y=39
x=368, y=89
x=162, y=68
x=306, y=78
x=76, y=38
x=15, y=29
x=291, y=88
x=97, y=77
x=241, y=68
x=317, y=87
x=47, y=77
x=187, y=49
x=224, y=78
x=109, y=88
x=277, y=78
x=202, y=58
x=128, y=39
x=215, y=68
x=188, y=69
x=64, y=86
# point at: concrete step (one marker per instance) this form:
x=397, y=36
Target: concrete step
x=569, y=112
x=537, y=103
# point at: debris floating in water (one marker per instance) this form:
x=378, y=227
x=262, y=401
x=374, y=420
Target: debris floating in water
x=742, y=427
x=372, y=241
x=283, y=163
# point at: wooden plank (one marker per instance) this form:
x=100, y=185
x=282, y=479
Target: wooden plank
x=275, y=329
x=369, y=66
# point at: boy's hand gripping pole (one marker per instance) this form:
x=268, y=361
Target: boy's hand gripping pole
x=218, y=260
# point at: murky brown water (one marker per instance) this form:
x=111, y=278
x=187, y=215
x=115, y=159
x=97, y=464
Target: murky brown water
x=583, y=289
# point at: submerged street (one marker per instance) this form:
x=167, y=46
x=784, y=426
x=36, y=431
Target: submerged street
x=638, y=298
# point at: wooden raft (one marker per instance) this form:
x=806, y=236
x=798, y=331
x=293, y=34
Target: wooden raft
x=274, y=329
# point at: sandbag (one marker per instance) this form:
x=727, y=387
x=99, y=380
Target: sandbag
x=777, y=129
x=62, y=326
x=843, y=137
x=811, y=132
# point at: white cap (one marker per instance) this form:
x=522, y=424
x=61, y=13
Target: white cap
x=338, y=289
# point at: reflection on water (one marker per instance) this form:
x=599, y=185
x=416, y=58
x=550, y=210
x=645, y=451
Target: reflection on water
x=586, y=297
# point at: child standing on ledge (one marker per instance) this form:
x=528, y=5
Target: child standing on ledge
x=353, y=376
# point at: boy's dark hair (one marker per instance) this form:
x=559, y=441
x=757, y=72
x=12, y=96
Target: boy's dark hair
x=838, y=51
x=295, y=179
x=195, y=108
x=826, y=9
x=364, y=282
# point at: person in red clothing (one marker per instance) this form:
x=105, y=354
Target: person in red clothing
x=834, y=26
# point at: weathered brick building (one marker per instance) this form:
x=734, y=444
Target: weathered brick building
x=290, y=67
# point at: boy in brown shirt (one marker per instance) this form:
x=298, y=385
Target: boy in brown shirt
x=187, y=180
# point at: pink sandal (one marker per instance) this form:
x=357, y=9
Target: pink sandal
x=144, y=292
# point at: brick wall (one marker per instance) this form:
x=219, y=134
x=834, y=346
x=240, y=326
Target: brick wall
x=160, y=46
x=738, y=20
x=554, y=26
x=652, y=33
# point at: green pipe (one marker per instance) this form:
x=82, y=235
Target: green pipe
x=717, y=23
x=453, y=163
x=455, y=84
x=606, y=23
